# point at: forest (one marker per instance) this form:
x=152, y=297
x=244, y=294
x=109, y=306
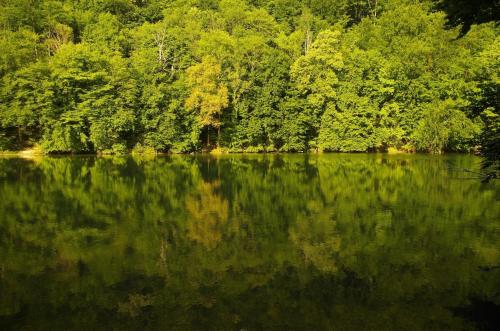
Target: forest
x=180, y=76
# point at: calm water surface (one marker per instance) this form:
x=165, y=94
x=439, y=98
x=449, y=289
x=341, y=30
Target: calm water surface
x=282, y=242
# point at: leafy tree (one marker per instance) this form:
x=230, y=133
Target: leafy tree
x=19, y=49
x=444, y=126
x=209, y=95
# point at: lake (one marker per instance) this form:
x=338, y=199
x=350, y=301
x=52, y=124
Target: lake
x=248, y=242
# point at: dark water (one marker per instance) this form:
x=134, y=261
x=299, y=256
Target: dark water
x=290, y=242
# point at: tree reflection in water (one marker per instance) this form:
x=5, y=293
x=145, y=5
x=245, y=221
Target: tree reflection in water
x=277, y=242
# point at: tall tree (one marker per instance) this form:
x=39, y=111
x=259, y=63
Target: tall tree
x=209, y=95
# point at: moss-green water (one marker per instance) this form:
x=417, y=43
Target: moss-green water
x=248, y=242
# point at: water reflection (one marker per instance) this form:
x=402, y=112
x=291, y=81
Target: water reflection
x=290, y=242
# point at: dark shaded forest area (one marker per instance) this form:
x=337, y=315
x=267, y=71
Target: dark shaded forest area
x=110, y=76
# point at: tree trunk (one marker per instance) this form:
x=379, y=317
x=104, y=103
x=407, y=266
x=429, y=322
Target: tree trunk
x=308, y=41
x=218, y=131
x=218, y=136
x=208, y=137
x=19, y=135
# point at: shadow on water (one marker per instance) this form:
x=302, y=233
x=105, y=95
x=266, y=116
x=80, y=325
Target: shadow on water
x=248, y=242
x=485, y=315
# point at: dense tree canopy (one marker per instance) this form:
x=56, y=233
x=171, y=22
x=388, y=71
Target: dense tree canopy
x=257, y=75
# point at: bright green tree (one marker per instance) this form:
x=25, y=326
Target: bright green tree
x=209, y=94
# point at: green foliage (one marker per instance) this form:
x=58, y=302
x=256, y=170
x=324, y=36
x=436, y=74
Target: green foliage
x=490, y=140
x=65, y=138
x=315, y=73
x=287, y=75
x=143, y=150
x=444, y=126
x=208, y=95
x=348, y=129
x=18, y=49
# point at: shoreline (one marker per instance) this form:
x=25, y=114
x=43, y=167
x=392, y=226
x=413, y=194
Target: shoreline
x=30, y=153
